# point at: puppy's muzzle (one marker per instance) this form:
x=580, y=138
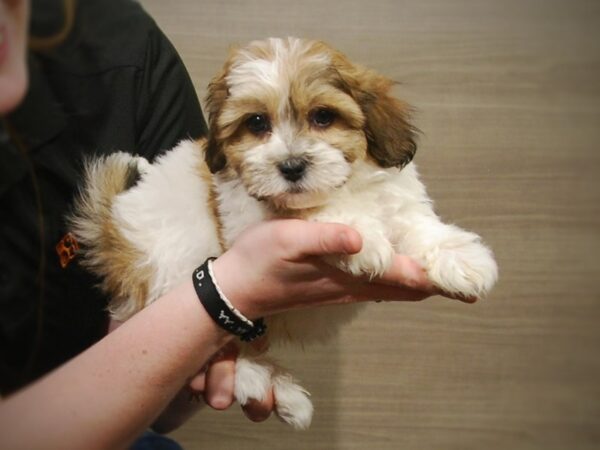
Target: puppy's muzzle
x=293, y=169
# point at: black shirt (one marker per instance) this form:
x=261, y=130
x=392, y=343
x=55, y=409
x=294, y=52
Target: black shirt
x=115, y=83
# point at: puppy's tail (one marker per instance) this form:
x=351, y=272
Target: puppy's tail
x=103, y=249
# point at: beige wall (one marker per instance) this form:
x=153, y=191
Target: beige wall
x=508, y=99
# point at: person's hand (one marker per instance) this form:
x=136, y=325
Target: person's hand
x=277, y=266
x=215, y=383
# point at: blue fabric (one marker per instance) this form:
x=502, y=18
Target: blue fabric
x=153, y=441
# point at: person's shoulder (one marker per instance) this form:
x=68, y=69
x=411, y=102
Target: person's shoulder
x=120, y=29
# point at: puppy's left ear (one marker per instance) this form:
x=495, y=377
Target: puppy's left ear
x=390, y=135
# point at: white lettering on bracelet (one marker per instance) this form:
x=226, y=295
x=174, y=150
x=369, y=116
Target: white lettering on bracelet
x=200, y=277
x=222, y=315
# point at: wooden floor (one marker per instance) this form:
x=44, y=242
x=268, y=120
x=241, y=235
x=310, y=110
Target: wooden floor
x=508, y=99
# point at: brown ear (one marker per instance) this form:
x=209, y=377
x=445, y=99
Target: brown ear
x=216, y=96
x=390, y=136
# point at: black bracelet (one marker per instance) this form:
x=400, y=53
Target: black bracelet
x=220, y=309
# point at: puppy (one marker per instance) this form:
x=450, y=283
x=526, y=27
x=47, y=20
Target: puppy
x=295, y=130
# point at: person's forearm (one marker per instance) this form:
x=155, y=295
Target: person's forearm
x=107, y=395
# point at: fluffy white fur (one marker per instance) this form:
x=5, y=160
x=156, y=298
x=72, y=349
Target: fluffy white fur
x=166, y=217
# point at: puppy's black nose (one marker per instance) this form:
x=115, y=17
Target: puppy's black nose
x=292, y=169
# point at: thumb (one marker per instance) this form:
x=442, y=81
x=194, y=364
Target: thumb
x=320, y=239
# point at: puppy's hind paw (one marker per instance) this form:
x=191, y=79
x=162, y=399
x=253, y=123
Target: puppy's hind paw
x=293, y=405
x=254, y=377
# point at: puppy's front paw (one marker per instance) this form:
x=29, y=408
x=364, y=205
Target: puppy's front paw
x=373, y=260
x=462, y=265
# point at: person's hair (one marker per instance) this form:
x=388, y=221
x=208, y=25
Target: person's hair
x=44, y=43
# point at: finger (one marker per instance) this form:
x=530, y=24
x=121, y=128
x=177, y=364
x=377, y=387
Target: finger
x=383, y=292
x=302, y=239
x=376, y=292
x=405, y=280
x=220, y=380
x=258, y=411
x=457, y=296
x=219, y=385
x=406, y=272
x=391, y=293
x=198, y=383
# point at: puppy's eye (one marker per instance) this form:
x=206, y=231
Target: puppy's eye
x=258, y=123
x=322, y=117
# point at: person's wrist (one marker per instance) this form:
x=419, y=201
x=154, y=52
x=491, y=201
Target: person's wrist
x=219, y=307
x=193, y=307
x=226, y=274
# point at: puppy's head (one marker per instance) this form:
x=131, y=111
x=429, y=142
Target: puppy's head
x=290, y=117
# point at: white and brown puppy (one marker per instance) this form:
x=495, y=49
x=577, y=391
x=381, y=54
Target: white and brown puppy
x=296, y=130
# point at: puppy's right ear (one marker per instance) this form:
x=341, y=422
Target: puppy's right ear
x=217, y=94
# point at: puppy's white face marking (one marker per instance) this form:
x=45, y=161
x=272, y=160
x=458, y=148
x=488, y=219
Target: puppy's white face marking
x=254, y=72
x=274, y=69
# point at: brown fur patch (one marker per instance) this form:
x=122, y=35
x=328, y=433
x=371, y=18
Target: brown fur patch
x=215, y=98
x=105, y=251
x=390, y=135
x=124, y=278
